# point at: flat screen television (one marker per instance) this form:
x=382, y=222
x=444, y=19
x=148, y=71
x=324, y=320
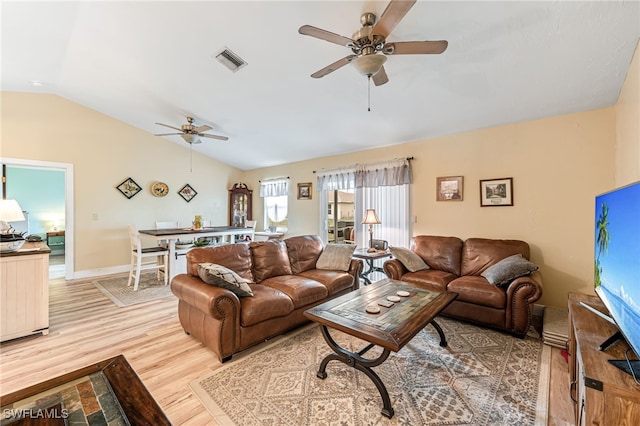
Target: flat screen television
x=617, y=264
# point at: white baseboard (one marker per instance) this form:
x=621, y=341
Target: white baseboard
x=91, y=273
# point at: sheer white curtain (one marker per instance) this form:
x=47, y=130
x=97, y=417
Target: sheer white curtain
x=385, y=187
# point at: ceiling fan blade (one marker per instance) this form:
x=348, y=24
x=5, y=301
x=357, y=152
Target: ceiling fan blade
x=171, y=127
x=334, y=66
x=167, y=134
x=415, y=47
x=395, y=11
x=380, y=77
x=221, y=138
x=202, y=128
x=325, y=35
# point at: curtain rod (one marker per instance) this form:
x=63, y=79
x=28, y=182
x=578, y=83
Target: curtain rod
x=278, y=178
x=353, y=165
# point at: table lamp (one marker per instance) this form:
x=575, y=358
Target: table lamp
x=371, y=218
x=10, y=211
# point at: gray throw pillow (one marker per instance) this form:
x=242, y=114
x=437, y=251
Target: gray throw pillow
x=408, y=258
x=509, y=269
x=214, y=274
x=336, y=257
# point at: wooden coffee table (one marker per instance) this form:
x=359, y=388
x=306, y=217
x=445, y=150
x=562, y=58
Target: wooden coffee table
x=391, y=328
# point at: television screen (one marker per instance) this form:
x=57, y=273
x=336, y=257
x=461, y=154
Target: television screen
x=617, y=258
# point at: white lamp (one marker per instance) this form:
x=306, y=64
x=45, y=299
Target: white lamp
x=371, y=218
x=10, y=211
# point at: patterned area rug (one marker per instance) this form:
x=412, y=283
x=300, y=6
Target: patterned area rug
x=149, y=288
x=482, y=378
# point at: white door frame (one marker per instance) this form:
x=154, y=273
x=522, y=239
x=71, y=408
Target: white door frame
x=67, y=168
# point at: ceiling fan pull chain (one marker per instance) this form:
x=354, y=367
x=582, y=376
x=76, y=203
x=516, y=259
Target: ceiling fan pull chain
x=369, y=93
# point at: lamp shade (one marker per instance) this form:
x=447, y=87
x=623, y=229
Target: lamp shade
x=369, y=64
x=371, y=218
x=10, y=211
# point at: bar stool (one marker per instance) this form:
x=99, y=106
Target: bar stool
x=138, y=253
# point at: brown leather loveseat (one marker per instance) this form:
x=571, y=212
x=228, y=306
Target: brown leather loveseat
x=284, y=280
x=457, y=266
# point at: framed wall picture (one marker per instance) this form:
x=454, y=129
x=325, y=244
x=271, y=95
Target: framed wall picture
x=449, y=188
x=304, y=191
x=187, y=192
x=129, y=187
x=496, y=192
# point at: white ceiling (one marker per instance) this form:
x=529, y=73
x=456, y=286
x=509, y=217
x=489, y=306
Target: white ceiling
x=147, y=62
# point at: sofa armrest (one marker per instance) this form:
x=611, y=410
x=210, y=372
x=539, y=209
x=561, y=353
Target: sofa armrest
x=522, y=293
x=394, y=269
x=355, y=270
x=214, y=301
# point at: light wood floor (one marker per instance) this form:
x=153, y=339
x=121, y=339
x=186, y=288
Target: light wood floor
x=86, y=327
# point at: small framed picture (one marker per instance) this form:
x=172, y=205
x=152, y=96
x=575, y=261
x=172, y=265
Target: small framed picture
x=304, y=191
x=449, y=188
x=129, y=188
x=187, y=192
x=496, y=192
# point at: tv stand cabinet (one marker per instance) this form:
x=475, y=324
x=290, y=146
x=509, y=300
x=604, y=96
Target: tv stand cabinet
x=602, y=393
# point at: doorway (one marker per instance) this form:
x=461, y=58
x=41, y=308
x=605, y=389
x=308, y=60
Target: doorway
x=45, y=191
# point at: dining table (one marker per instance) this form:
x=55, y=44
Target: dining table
x=227, y=234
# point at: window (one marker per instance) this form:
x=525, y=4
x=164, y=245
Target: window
x=275, y=213
x=275, y=193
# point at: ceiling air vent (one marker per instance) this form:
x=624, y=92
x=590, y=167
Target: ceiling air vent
x=230, y=60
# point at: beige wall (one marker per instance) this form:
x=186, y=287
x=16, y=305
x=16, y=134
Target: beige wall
x=628, y=126
x=104, y=152
x=558, y=165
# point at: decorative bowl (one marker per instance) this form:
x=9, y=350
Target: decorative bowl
x=9, y=246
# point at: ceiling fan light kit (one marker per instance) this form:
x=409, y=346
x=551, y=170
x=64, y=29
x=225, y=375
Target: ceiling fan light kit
x=369, y=65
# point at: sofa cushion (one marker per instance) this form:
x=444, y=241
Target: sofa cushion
x=304, y=251
x=509, y=269
x=334, y=281
x=478, y=291
x=266, y=304
x=431, y=279
x=480, y=253
x=302, y=291
x=270, y=259
x=336, y=257
x=441, y=253
x=236, y=257
x=408, y=258
x=220, y=276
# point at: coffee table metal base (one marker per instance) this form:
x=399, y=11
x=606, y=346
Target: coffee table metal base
x=357, y=361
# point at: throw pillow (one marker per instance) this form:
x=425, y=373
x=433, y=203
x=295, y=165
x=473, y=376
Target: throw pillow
x=214, y=274
x=408, y=258
x=336, y=257
x=508, y=269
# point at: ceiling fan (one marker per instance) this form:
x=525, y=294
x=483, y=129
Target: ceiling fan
x=369, y=44
x=190, y=133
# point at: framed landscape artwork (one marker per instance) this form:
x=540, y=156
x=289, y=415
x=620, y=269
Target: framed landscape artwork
x=496, y=192
x=449, y=188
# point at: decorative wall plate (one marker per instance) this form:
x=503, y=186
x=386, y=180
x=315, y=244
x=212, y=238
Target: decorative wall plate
x=159, y=189
x=129, y=188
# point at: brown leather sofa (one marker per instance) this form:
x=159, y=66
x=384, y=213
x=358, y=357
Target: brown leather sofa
x=285, y=282
x=457, y=265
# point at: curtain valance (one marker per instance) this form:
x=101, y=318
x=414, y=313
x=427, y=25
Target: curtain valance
x=274, y=187
x=389, y=173
x=336, y=179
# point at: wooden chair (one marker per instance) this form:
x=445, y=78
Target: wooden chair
x=138, y=253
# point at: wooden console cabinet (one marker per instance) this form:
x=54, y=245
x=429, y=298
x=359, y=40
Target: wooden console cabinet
x=24, y=291
x=603, y=394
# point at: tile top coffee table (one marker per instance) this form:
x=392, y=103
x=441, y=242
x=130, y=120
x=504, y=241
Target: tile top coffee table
x=391, y=328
